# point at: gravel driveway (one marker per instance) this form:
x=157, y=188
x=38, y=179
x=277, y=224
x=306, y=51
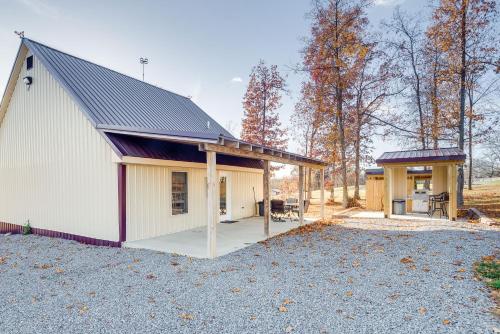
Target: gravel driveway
x=337, y=280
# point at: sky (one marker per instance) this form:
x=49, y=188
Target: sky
x=202, y=49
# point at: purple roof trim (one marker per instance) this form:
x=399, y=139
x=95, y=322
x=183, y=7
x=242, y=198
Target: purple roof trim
x=441, y=154
x=380, y=171
x=140, y=147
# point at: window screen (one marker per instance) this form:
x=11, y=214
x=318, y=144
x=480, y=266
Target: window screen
x=179, y=193
x=29, y=63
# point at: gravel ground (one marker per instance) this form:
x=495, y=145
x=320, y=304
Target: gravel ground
x=337, y=280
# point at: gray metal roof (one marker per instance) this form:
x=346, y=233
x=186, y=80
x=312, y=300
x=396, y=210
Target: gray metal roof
x=116, y=101
x=440, y=154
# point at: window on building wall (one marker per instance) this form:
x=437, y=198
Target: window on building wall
x=179, y=193
x=29, y=63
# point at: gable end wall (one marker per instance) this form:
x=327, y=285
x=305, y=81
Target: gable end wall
x=56, y=170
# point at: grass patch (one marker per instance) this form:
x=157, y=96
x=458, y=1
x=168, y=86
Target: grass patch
x=489, y=270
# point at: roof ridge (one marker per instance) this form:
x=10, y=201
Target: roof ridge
x=102, y=66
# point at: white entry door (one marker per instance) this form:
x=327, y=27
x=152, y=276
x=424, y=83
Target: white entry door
x=225, y=196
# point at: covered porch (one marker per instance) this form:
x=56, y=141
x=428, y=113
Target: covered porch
x=238, y=148
x=230, y=237
x=443, y=164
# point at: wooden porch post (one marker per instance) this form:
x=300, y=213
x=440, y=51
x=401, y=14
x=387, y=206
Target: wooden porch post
x=387, y=192
x=212, y=210
x=322, y=193
x=301, y=195
x=452, y=191
x=267, y=191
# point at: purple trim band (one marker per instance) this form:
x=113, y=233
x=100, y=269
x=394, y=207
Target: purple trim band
x=17, y=229
x=422, y=159
x=122, y=202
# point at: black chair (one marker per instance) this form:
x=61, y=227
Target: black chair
x=439, y=203
x=277, y=210
x=306, y=207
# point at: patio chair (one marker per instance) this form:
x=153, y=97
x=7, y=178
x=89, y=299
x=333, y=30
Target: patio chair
x=306, y=207
x=277, y=210
x=439, y=203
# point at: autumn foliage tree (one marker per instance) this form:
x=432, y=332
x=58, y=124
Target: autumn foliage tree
x=331, y=56
x=261, y=123
x=464, y=31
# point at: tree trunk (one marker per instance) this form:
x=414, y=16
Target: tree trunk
x=357, y=167
x=461, y=127
x=332, y=193
x=343, y=158
x=471, y=116
x=309, y=184
x=435, y=107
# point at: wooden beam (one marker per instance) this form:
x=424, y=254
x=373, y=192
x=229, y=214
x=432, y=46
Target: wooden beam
x=452, y=191
x=258, y=149
x=212, y=207
x=322, y=192
x=267, y=202
x=387, y=192
x=256, y=155
x=301, y=195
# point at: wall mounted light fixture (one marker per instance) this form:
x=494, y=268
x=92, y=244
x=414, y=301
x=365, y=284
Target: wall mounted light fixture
x=28, y=80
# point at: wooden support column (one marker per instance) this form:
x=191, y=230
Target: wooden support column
x=267, y=191
x=212, y=207
x=452, y=191
x=387, y=192
x=301, y=195
x=322, y=193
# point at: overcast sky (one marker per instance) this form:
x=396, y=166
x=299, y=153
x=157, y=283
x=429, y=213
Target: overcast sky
x=203, y=49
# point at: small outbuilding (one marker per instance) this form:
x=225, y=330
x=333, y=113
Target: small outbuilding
x=93, y=155
x=415, y=180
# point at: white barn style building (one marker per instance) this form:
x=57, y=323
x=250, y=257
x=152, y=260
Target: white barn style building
x=92, y=155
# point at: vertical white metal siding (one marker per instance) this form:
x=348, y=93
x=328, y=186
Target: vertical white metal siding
x=149, y=209
x=243, y=203
x=56, y=170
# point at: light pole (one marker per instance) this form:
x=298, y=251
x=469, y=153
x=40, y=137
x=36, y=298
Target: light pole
x=143, y=61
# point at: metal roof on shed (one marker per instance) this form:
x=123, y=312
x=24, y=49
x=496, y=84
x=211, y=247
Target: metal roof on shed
x=117, y=101
x=440, y=154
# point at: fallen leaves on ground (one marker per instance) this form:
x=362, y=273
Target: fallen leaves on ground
x=406, y=260
x=235, y=290
x=186, y=316
x=282, y=309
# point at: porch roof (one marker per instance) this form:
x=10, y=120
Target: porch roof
x=151, y=148
x=449, y=154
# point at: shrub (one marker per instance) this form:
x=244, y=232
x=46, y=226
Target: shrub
x=27, y=228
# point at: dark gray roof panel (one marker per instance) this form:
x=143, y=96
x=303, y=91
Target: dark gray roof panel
x=112, y=99
x=440, y=154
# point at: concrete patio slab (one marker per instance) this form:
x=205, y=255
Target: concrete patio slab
x=230, y=237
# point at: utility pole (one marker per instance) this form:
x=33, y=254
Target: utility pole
x=143, y=61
